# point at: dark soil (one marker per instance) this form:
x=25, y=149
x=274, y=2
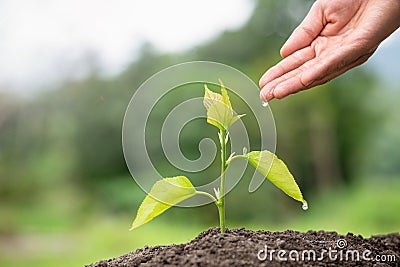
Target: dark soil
x=241, y=247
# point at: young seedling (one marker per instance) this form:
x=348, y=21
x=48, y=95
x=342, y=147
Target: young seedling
x=170, y=191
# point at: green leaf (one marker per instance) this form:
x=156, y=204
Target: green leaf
x=219, y=115
x=225, y=97
x=210, y=97
x=219, y=108
x=163, y=195
x=276, y=171
x=236, y=118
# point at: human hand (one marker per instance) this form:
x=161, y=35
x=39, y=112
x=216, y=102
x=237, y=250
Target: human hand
x=334, y=37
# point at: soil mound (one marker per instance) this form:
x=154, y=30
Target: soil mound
x=241, y=247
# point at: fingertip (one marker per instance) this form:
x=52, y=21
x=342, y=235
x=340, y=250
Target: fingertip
x=266, y=94
x=284, y=50
x=262, y=97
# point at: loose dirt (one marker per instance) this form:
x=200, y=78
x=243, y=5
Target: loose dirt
x=241, y=247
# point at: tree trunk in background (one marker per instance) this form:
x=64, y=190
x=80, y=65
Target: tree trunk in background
x=323, y=146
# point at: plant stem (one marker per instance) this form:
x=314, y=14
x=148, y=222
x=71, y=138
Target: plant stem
x=221, y=200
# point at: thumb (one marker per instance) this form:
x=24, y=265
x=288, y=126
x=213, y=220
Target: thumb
x=306, y=32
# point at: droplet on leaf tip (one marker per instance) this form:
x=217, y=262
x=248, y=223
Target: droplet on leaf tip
x=264, y=103
x=305, y=205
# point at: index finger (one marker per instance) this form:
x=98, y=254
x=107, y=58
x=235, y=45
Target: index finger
x=287, y=64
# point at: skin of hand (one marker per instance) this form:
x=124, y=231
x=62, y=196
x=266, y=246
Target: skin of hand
x=335, y=36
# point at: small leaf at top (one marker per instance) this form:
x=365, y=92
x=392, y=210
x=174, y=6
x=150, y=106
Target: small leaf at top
x=163, y=195
x=219, y=108
x=276, y=171
x=225, y=97
x=210, y=97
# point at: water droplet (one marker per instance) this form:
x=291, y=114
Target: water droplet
x=264, y=103
x=305, y=205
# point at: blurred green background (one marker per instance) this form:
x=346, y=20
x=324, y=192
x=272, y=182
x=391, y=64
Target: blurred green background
x=68, y=199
